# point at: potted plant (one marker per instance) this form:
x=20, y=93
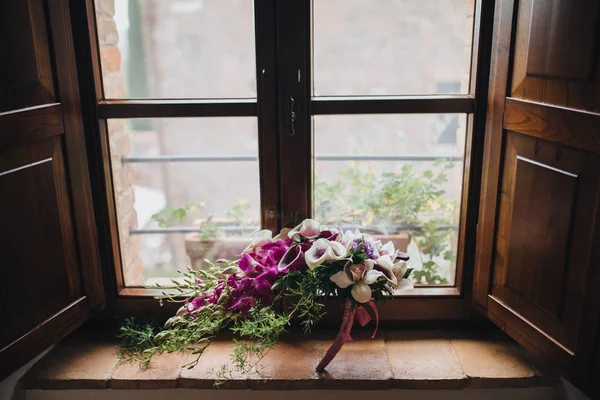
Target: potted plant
x=404, y=207
x=211, y=241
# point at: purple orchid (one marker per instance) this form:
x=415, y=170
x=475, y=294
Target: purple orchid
x=196, y=304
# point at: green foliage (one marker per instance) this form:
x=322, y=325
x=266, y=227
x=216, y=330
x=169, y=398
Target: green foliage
x=405, y=197
x=238, y=211
x=256, y=333
x=209, y=229
x=305, y=292
x=136, y=335
x=170, y=216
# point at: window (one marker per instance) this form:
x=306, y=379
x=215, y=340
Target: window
x=357, y=113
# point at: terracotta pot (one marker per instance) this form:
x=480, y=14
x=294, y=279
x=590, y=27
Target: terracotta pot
x=213, y=249
x=400, y=240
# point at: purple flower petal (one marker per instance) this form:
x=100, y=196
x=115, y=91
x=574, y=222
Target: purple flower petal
x=249, y=265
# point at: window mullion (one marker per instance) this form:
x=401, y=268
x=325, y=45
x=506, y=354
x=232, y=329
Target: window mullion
x=266, y=79
x=295, y=134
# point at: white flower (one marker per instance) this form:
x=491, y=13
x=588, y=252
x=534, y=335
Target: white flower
x=385, y=263
x=399, y=269
x=260, y=238
x=308, y=228
x=360, y=276
x=348, y=237
x=324, y=250
x=388, y=248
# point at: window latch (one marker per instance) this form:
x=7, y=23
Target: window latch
x=291, y=116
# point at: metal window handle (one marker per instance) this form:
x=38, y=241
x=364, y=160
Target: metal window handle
x=291, y=115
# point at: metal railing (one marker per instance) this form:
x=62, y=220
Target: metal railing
x=243, y=230
x=248, y=230
x=318, y=157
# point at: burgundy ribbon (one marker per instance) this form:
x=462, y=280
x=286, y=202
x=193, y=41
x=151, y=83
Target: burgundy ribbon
x=350, y=313
x=363, y=317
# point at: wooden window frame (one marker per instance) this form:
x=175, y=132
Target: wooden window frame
x=277, y=78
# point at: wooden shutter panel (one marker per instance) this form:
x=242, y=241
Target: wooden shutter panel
x=49, y=272
x=537, y=272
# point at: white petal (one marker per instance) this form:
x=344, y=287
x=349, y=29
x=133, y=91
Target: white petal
x=370, y=264
x=338, y=249
x=308, y=228
x=348, y=238
x=375, y=251
x=400, y=269
x=404, y=284
x=324, y=250
x=372, y=276
x=319, y=252
x=311, y=257
x=388, y=248
x=368, y=238
x=385, y=261
x=283, y=234
x=341, y=279
x=259, y=238
x=378, y=246
x=361, y=292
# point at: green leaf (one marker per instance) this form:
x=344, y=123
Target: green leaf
x=359, y=258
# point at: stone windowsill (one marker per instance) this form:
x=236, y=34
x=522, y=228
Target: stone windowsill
x=400, y=359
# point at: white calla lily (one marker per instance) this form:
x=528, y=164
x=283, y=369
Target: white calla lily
x=308, y=228
x=360, y=276
x=324, y=250
x=259, y=238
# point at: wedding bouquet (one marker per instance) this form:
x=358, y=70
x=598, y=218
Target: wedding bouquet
x=301, y=266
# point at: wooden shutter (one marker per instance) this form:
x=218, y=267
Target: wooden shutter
x=537, y=272
x=49, y=272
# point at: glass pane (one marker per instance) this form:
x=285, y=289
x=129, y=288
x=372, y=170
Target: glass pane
x=177, y=48
x=391, y=47
x=398, y=177
x=211, y=207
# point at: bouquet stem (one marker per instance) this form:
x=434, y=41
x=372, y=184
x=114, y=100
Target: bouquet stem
x=341, y=338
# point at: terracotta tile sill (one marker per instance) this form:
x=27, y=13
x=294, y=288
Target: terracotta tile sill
x=399, y=359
